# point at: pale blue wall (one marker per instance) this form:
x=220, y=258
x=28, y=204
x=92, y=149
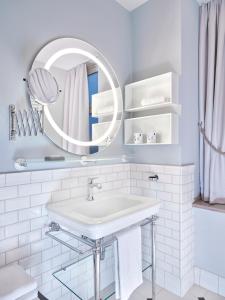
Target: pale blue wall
x=188, y=94
x=210, y=241
x=25, y=27
x=165, y=38
x=155, y=38
x=156, y=28
x=161, y=35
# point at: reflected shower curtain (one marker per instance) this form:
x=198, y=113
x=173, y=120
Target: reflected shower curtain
x=212, y=101
x=42, y=86
x=76, y=109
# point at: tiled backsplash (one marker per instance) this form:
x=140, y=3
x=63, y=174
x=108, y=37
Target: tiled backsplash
x=23, y=219
x=174, y=235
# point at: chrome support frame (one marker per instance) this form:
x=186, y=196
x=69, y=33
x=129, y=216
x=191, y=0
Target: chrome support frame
x=153, y=222
x=97, y=256
x=12, y=122
x=96, y=261
x=98, y=249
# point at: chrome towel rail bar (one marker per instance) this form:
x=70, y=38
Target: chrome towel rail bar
x=54, y=227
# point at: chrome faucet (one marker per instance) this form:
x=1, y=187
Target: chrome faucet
x=91, y=186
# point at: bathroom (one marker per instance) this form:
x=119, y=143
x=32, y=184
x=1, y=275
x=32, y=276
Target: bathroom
x=130, y=203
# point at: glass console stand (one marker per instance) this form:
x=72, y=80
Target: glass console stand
x=65, y=276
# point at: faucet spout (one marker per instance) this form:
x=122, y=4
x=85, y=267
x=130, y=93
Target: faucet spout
x=91, y=186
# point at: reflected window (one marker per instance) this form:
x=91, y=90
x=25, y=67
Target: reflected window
x=93, y=89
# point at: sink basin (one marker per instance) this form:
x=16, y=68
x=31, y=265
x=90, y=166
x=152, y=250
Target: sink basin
x=105, y=215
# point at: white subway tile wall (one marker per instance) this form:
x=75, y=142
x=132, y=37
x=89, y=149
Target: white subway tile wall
x=24, y=220
x=174, y=230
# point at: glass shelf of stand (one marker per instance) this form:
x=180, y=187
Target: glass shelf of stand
x=77, y=276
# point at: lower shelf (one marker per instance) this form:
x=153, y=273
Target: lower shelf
x=77, y=276
x=165, y=126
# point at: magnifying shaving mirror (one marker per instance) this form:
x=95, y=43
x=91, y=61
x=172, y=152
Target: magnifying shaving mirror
x=42, y=86
x=80, y=94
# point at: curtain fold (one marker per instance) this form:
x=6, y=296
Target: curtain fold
x=203, y=1
x=76, y=109
x=212, y=100
x=42, y=86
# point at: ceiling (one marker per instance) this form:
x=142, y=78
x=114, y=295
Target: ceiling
x=131, y=4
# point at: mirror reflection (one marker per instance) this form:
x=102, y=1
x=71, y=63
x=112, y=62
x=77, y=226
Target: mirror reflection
x=42, y=86
x=85, y=106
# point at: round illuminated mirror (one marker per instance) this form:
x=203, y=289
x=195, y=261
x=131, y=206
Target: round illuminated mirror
x=83, y=107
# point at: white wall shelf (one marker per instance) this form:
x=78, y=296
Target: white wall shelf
x=175, y=107
x=166, y=126
x=152, y=106
x=99, y=129
x=102, y=104
x=161, y=90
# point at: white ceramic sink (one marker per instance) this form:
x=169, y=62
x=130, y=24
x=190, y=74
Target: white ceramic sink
x=105, y=215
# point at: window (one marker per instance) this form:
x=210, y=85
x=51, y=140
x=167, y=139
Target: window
x=93, y=89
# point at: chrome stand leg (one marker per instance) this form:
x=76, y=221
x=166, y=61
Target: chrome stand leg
x=96, y=258
x=154, y=218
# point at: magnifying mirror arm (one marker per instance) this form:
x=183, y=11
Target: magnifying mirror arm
x=28, y=122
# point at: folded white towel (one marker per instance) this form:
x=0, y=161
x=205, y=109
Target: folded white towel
x=128, y=262
x=153, y=100
x=15, y=283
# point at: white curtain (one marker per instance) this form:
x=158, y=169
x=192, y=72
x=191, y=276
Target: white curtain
x=42, y=86
x=76, y=109
x=203, y=1
x=212, y=100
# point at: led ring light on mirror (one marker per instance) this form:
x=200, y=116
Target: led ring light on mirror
x=97, y=142
x=88, y=112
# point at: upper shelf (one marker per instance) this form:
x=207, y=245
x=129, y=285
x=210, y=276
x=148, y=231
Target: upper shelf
x=102, y=104
x=153, y=93
x=174, y=107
